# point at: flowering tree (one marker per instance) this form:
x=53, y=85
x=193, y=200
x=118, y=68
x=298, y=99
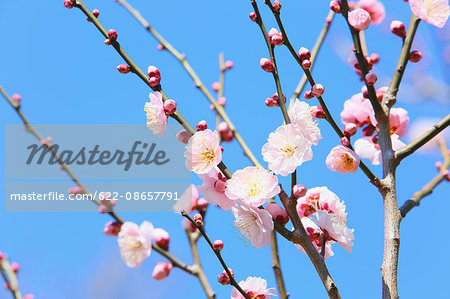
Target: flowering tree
x=262, y=207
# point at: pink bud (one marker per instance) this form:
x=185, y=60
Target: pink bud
x=218, y=245
x=225, y=133
x=335, y=6
x=6, y=286
x=160, y=47
x=183, y=136
x=104, y=209
x=317, y=112
x=308, y=95
x=365, y=92
x=155, y=75
x=76, y=190
x=304, y=53
x=69, y=3
x=375, y=58
x=161, y=270
x=318, y=90
x=276, y=6
x=276, y=38
x=270, y=102
x=112, y=228
x=350, y=129
x=368, y=131
x=216, y=86
x=359, y=19
x=222, y=101
x=112, y=35
x=253, y=16
x=438, y=164
x=161, y=238
x=220, y=185
x=202, y=125
x=198, y=219
x=229, y=64
x=380, y=92
x=201, y=204
x=306, y=64
x=170, y=106
x=28, y=296
x=398, y=29
x=107, y=42
x=123, y=68
x=16, y=98
x=278, y=213
x=345, y=141
x=371, y=78
x=96, y=13
x=299, y=190
x=1, y=256
x=188, y=226
x=15, y=267
x=415, y=56
x=267, y=65
x=223, y=277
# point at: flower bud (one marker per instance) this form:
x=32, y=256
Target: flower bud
x=350, y=129
x=155, y=76
x=299, y=190
x=161, y=270
x=438, y=165
x=107, y=42
x=277, y=213
x=1, y=256
x=123, y=68
x=345, y=141
x=253, y=16
x=69, y=3
x=112, y=35
x=371, y=78
x=96, y=13
x=375, y=58
x=317, y=90
x=359, y=19
x=222, y=101
x=76, y=190
x=306, y=64
x=202, y=125
x=218, y=245
x=365, y=92
x=317, y=112
x=28, y=296
x=380, y=93
x=276, y=38
x=216, y=86
x=223, y=277
x=170, y=106
x=415, y=56
x=276, y=6
x=112, y=228
x=161, y=238
x=304, y=53
x=15, y=267
x=160, y=47
x=201, y=204
x=270, y=102
x=267, y=65
x=183, y=136
x=308, y=95
x=229, y=64
x=225, y=133
x=198, y=219
x=398, y=29
x=335, y=6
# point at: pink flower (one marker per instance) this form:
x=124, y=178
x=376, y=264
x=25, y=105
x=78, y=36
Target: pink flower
x=342, y=159
x=183, y=136
x=375, y=9
x=359, y=19
x=187, y=201
x=286, y=150
x=357, y=110
x=252, y=185
x=300, y=115
x=134, y=242
x=335, y=229
x=435, y=12
x=161, y=238
x=156, y=116
x=203, y=151
x=161, y=270
x=254, y=223
x=320, y=198
x=213, y=189
x=398, y=120
x=315, y=236
x=255, y=288
x=366, y=148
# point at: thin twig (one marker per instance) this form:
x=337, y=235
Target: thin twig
x=428, y=188
x=10, y=277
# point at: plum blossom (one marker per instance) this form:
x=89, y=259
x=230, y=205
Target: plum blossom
x=435, y=12
x=335, y=229
x=187, y=201
x=203, y=151
x=300, y=115
x=375, y=9
x=398, y=120
x=359, y=19
x=252, y=185
x=213, y=189
x=314, y=234
x=342, y=159
x=357, y=110
x=367, y=148
x=255, y=288
x=156, y=116
x=161, y=270
x=254, y=223
x=286, y=150
x=320, y=198
x=134, y=242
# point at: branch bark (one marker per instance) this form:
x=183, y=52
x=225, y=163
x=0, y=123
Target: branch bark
x=10, y=277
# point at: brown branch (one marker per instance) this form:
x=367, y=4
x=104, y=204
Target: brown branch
x=428, y=188
x=198, y=83
x=422, y=140
x=10, y=277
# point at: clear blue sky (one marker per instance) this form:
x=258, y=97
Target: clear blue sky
x=57, y=61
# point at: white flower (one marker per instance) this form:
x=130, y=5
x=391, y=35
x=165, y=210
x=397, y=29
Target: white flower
x=252, y=185
x=300, y=115
x=134, y=242
x=286, y=150
x=187, y=201
x=336, y=229
x=156, y=116
x=366, y=148
x=315, y=236
x=203, y=151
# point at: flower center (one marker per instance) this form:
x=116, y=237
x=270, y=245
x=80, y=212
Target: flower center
x=254, y=190
x=288, y=151
x=346, y=162
x=208, y=155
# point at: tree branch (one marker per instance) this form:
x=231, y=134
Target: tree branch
x=10, y=277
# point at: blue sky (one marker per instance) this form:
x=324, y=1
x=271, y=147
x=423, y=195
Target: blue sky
x=57, y=61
